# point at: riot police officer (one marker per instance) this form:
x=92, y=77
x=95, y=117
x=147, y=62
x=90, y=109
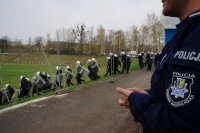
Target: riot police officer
x=69, y=76
x=7, y=94
x=58, y=77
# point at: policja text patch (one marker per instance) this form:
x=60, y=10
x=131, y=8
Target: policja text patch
x=180, y=93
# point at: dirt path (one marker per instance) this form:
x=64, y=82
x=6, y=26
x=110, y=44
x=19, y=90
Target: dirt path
x=93, y=109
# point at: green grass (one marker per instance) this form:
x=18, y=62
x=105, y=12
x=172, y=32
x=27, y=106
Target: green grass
x=10, y=73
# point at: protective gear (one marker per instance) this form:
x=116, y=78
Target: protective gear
x=78, y=62
x=108, y=58
x=88, y=60
x=57, y=67
x=67, y=67
x=7, y=85
x=21, y=77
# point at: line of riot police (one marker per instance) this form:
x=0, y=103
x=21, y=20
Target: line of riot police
x=42, y=82
x=148, y=60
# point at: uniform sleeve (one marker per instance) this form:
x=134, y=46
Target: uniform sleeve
x=155, y=116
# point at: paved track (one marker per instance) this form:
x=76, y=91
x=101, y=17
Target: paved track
x=92, y=109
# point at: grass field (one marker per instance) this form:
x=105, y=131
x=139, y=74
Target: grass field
x=10, y=72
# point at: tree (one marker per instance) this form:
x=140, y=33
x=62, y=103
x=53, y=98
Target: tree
x=80, y=33
x=5, y=44
x=18, y=45
x=110, y=40
x=135, y=37
x=144, y=31
x=49, y=47
x=120, y=41
x=38, y=41
x=91, y=38
x=71, y=37
x=101, y=38
x=156, y=30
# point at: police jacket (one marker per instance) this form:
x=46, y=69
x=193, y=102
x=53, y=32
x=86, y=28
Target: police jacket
x=173, y=103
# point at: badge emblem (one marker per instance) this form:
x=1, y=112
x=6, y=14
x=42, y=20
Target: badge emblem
x=179, y=93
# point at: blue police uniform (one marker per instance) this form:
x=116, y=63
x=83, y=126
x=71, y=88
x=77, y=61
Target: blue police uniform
x=173, y=103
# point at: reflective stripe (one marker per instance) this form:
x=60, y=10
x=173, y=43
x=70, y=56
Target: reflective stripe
x=195, y=14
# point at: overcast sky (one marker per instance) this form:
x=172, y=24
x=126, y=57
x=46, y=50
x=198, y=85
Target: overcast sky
x=22, y=19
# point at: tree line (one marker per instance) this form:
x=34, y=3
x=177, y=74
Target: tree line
x=81, y=39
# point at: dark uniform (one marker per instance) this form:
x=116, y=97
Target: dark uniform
x=95, y=68
x=124, y=62
x=157, y=57
x=69, y=76
x=58, y=77
x=140, y=59
x=24, y=88
x=7, y=94
x=117, y=63
x=48, y=83
x=150, y=59
x=80, y=72
x=108, y=67
x=173, y=103
x=91, y=74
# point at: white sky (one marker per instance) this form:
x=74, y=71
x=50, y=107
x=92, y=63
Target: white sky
x=21, y=19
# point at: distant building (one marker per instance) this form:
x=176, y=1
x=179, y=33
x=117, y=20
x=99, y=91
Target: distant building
x=170, y=27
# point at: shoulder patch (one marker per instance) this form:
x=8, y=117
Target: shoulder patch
x=180, y=93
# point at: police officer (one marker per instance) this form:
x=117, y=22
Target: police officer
x=140, y=60
x=150, y=59
x=108, y=67
x=40, y=82
x=124, y=62
x=69, y=76
x=157, y=57
x=95, y=68
x=29, y=85
x=128, y=61
x=24, y=88
x=172, y=103
x=117, y=63
x=91, y=74
x=8, y=93
x=36, y=86
x=80, y=72
x=48, y=83
x=58, y=77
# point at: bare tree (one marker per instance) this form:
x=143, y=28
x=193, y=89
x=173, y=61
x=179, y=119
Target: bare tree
x=80, y=33
x=101, y=35
x=49, y=47
x=71, y=37
x=18, y=46
x=120, y=41
x=38, y=41
x=110, y=40
x=144, y=31
x=135, y=37
x=91, y=38
x=156, y=30
x=5, y=44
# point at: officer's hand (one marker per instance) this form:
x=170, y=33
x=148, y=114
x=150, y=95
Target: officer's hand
x=138, y=90
x=125, y=92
